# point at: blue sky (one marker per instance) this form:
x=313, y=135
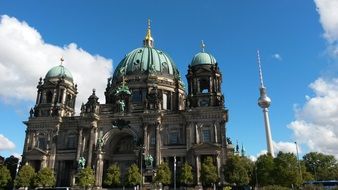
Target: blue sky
x=296, y=39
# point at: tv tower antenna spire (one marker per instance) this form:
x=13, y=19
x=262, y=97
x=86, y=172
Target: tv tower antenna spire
x=264, y=102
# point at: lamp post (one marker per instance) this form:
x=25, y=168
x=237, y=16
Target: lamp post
x=300, y=171
x=256, y=186
x=141, y=165
x=174, y=172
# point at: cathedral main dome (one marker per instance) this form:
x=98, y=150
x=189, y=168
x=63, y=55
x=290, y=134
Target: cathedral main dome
x=146, y=60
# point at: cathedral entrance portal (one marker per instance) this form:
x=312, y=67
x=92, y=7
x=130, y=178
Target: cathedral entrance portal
x=121, y=150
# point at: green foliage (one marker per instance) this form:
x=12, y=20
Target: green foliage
x=45, y=178
x=186, y=176
x=85, y=178
x=209, y=173
x=264, y=170
x=163, y=174
x=313, y=187
x=286, y=171
x=274, y=187
x=321, y=166
x=133, y=176
x=5, y=176
x=238, y=170
x=113, y=176
x=25, y=177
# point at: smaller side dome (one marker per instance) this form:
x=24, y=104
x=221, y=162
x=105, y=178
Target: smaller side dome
x=58, y=72
x=203, y=58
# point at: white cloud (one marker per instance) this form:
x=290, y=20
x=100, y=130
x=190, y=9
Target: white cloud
x=286, y=147
x=5, y=143
x=328, y=13
x=316, y=123
x=327, y=10
x=25, y=57
x=277, y=56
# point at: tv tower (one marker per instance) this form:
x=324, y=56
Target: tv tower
x=264, y=102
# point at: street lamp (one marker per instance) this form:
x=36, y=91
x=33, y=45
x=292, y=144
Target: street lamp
x=174, y=172
x=141, y=165
x=300, y=171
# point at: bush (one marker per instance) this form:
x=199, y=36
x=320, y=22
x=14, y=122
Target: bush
x=274, y=187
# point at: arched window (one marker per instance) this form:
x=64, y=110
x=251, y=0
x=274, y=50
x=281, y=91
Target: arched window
x=49, y=97
x=69, y=100
x=204, y=86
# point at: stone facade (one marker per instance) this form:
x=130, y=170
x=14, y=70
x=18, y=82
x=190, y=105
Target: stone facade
x=147, y=113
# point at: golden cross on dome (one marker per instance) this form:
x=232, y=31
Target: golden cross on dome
x=62, y=60
x=202, y=46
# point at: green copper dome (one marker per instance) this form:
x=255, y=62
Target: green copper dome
x=58, y=72
x=146, y=60
x=203, y=58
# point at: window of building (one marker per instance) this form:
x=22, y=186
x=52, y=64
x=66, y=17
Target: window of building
x=152, y=140
x=71, y=141
x=173, y=138
x=206, y=135
x=49, y=97
x=61, y=95
x=42, y=144
x=204, y=86
x=137, y=96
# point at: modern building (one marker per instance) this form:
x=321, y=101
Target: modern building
x=149, y=117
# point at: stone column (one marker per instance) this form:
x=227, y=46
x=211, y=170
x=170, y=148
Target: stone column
x=38, y=97
x=215, y=133
x=158, y=144
x=223, y=141
x=98, y=170
x=25, y=147
x=188, y=135
x=198, y=169
x=64, y=96
x=91, y=142
x=210, y=85
x=145, y=138
x=43, y=162
x=197, y=138
x=51, y=146
x=79, y=145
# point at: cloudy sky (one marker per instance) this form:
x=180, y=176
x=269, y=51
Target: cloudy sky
x=298, y=41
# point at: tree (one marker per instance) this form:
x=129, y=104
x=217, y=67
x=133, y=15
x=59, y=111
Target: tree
x=85, y=178
x=286, y=170
x=209, y=174
x=163, y=174
x=45, y=178
x=113, y=176
x=321, y=166
x=186, y=177
x=133, y=176
x=238, y=170
x=25, y=177
x=264, y=170
x=5, y=176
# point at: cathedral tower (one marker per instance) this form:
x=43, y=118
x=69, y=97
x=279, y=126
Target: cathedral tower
x=204, y=81
x=56, y=93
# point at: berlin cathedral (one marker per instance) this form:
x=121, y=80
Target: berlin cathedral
x=149, y=116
